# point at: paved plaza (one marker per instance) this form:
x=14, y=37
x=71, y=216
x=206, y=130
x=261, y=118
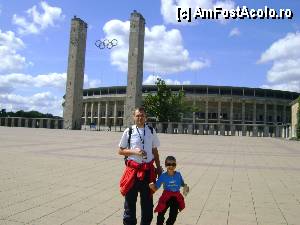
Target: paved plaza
x=52, y=177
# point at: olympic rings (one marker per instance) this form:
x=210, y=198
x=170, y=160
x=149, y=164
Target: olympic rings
x=102, y=44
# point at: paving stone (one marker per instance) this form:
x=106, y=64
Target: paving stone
x=72, y=177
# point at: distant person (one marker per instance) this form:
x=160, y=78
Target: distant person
x=171, y=196
x=139, y=145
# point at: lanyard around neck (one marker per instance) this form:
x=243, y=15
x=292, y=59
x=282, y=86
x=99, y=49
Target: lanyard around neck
x=142, y=139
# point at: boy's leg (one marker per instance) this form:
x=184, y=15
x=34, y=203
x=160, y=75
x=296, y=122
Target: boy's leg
x=146, y=201
x=173, y=211
x=161, y=217
x=129, y=217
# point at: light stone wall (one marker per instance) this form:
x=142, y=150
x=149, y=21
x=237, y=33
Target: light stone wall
x=75, y=75
x=294, y=110
x=135, y=65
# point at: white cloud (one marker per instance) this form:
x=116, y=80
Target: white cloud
x=11, y=60
x=51, y=80
x=151, y=79
x=234, y=32
x=287, y=47
x=44, y=102
x=285, y=56
x=37, y=21
x=163, y=49
x=91, y=83
x=15, y=80
x=168, y=7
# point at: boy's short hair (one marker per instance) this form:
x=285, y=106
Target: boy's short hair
x=170, y=158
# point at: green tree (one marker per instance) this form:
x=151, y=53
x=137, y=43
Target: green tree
x=165, y=105
x=298, y=120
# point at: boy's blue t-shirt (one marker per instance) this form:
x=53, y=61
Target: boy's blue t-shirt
x=170, y=183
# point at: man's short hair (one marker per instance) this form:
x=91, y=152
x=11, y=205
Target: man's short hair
x=140, y=109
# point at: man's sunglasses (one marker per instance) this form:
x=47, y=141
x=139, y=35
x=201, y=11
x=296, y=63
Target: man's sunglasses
x=170, y=164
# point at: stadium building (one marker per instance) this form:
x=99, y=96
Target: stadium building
x=223, y=110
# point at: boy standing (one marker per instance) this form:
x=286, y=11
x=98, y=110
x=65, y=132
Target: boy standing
x=171, y=197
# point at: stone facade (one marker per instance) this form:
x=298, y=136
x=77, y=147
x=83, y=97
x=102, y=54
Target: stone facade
x=75, y=75
x=135, y=65
x=295, y=107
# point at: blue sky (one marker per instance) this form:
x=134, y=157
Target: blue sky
x=34, y=45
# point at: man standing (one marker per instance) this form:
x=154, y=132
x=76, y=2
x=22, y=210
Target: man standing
x=139, y=145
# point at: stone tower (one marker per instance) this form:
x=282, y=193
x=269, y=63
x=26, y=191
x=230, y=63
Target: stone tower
x=135, y=66
x=75, y=75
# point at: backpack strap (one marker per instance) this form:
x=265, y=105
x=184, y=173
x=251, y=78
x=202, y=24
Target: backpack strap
x=129, y=138
x=129, y=134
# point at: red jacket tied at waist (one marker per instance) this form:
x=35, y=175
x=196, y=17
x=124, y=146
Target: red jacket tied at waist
x=133, y=170
x=166, y=195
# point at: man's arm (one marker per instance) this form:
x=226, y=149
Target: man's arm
x=157, y=161
x=128, y=152
x=152, y=187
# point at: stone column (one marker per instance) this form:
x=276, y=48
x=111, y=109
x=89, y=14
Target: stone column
x=219, y=111
x=49, y=123
x=26, y=122
x=56, y=124
x=180, y=128
x=266, y=131
x=232, y=130
x=194, y=114
x=33, y=123
x=41, y=125
x=201, y=132
x=92, y=112
x=159, y=127
x=244, y=127
x=190, y=128
x=284, y=114
x=135, y=66
x=75, y=75
x=115, y=113
x=211, y=129
x=275, y=114
x=231, y=112
x=99, y=115
x=222, y=129
x=265, y=113
x=206, y=110
x=243, y=112
x=6, y=121
x=255, y=131
x=12, y=122
x=254, y=113
x=277, y=131
x=85, y=114
x=106, y=113
x=19, y=122
x=170, y=128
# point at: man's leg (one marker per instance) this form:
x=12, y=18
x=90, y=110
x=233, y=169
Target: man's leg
x=173, y=211
x=146, y=203
x=129, y=217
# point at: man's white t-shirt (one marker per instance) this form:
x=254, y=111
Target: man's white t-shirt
x=136, y=141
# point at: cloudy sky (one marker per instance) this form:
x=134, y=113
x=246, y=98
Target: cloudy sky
x=34, y=45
